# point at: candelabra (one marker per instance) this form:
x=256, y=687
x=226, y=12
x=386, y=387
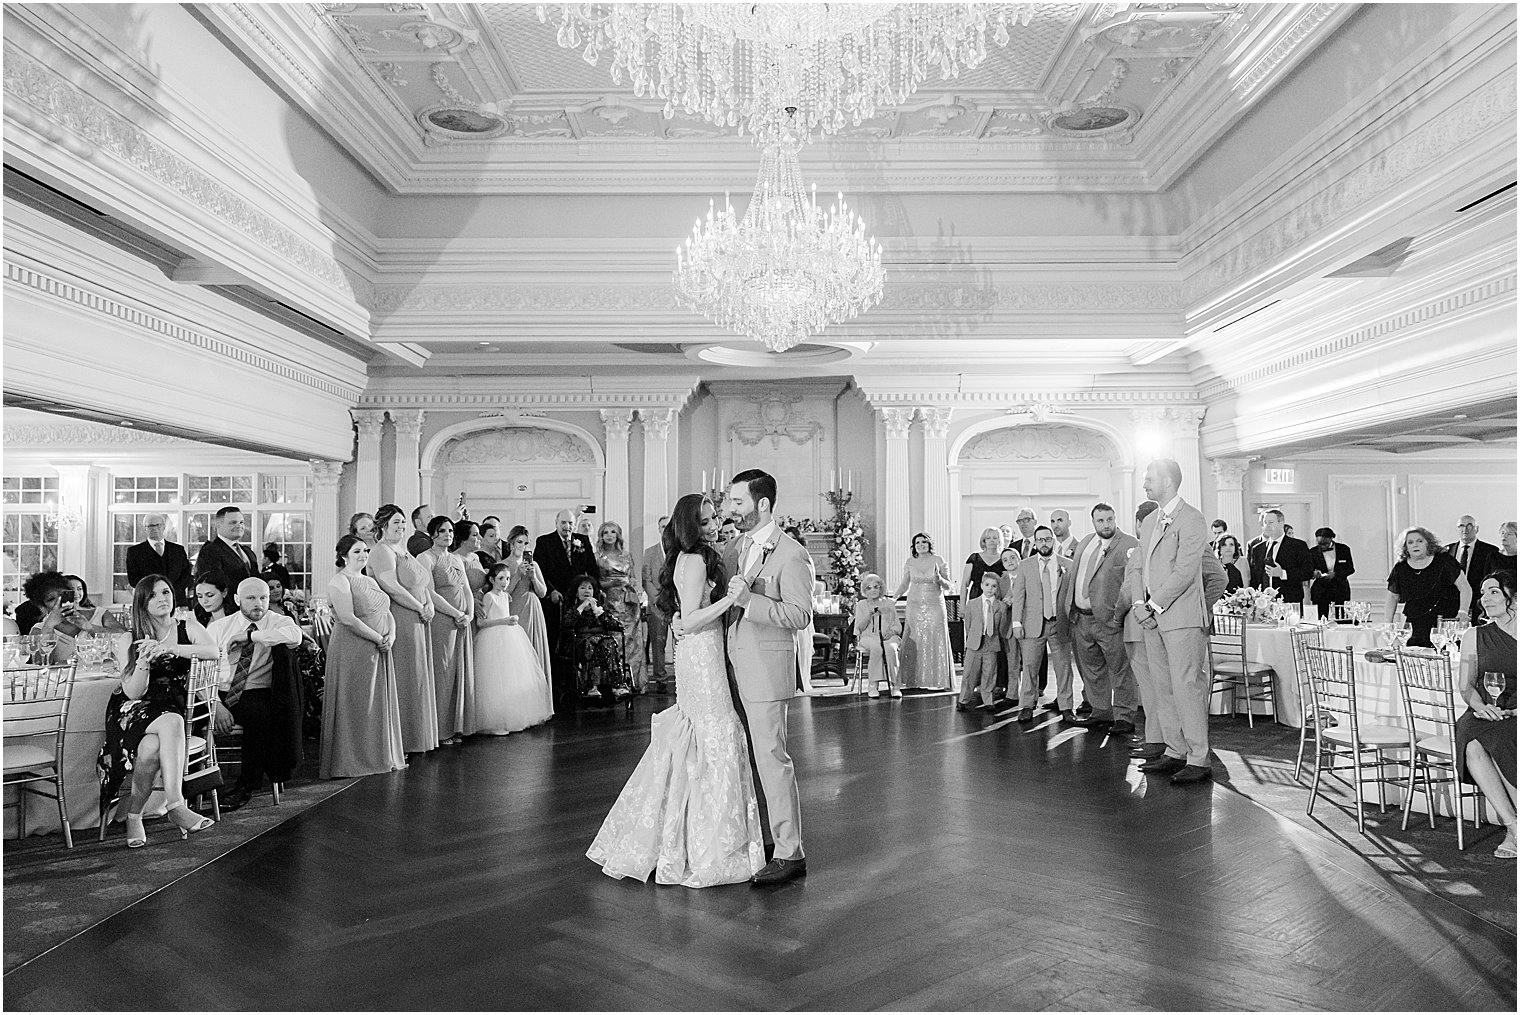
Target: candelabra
x=839, y=499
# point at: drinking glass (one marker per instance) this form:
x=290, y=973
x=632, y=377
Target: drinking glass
x=15, y=651
x=1493, y=683
x=1438, y=639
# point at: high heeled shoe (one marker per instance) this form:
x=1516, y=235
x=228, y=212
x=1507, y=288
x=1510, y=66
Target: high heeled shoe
x=1506, y=850
x=188, y=821
x=136, y=836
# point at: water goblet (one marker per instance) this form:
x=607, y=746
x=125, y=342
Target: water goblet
x=1493, y=683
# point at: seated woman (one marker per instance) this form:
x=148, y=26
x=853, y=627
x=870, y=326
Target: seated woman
x=44, y=602
x=1486, y=731
x=145, y=717
x=589, y=636
x=213, y=598
x=877, y=629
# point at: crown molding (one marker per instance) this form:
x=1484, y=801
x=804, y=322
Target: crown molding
x=558, y=392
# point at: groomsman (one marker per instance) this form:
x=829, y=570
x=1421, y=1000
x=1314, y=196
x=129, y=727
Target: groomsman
x=659, y=624
x=1475, y=557
x=1032, y=602
x=1092, y=605
x=1280, y=561
x=419, y=540
x=1167, y=589
x=233, y=559
x=1060, y=524
x=1134, y=644
x=156, y=555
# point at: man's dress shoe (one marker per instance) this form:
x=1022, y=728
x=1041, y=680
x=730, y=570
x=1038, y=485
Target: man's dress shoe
x=1026, y=715
x=780, y=871
x=1192, y=773
x=1164, y=765
x=1121, y=727
x=1149, y=751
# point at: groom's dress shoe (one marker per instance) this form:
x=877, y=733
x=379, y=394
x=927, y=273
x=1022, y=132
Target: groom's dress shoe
x=780, y=871
x=1164, y=765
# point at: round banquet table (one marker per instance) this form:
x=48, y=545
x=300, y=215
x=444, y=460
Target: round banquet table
x=85, y=732
x=1377, y=684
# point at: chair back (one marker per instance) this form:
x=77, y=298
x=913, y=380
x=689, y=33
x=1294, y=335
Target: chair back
x=200, y=711
x=1430, y=699
x=1340, y=613
x=1332, y=684
x=1227, y=641
x=37, y=700
x=1302, y=638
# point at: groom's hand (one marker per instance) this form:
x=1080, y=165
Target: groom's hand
x=739, y=590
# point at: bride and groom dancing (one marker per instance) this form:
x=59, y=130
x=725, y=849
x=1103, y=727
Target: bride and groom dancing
x=689, y=813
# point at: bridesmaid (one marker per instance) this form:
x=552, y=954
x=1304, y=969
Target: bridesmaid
x=410, y=587
x=620, y=587
x=453, y=651
x=361, y=723
x=467, y=547
x=526, y=588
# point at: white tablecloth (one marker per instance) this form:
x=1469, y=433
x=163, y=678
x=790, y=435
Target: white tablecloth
x=1377, y=684
x=86, y=731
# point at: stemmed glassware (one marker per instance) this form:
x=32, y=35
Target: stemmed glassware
x=1493, y=683
x=16, y=651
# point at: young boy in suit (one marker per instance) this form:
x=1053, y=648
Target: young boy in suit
x=986, y=625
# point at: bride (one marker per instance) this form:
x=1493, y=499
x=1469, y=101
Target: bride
x=688, y=813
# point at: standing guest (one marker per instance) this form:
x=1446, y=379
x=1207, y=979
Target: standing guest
x=260, y=689
x=1261, y=532
x=1009, y=660
x=490, y=550
x=876, y=630
x=727, y=533
x=1281, y=562
x=1504, y=560
x=1006, y=531
x=156, y=555
x=1060, y=524
x=1169, y=595
x=449, y=633
x=466, y=545
x=526, y=588
x=361, y=713
x=224, y=553
x=145, y=716
x=419, y=542
x=926, y=658
x=1032, y=604
x=1485, y=748
x=1473, y=556
x=1228, y=552
x=1428, y=581
x=512, y=689
x=986, y=623
x=213, y=598
x=621, y=593
x=1092, y=605
x=274, y=563
x=1217, y=528
x=658, y=624
x=410, y=587
x=363, y=526
x=584, y=527
x=988, y=558
x=561, y=557
x=1027, y=523
x=1332, y=571
x=1154, y=743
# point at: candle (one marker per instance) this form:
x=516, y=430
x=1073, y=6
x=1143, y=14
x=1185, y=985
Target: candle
x=833, y=479
x=850, y=483
x=704, y=480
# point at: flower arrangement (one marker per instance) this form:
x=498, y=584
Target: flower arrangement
x=803, y=525
x=1256, y=605
x=848, y=554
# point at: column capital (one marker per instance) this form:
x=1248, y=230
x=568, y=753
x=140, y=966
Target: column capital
x=409, y=422
x=616, y=422
x=1230, y=473
x=936, y=421
x=657, y=422
x=369, y=422
x=895, y=421
x=325, y=475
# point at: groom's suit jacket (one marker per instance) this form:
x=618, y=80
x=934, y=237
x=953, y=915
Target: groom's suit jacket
x=761, y=636
x=1175, y=546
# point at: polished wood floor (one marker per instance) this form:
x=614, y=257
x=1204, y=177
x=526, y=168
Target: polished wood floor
x=956, y=862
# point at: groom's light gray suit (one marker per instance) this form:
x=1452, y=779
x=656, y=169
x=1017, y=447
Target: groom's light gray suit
x=762, y=654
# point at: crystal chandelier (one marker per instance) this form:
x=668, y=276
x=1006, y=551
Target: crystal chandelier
x=742, y=64
x=787, y=269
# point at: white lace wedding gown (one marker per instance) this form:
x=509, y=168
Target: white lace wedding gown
x=688, y=813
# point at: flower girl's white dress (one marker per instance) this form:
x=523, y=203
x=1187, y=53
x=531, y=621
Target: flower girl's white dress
x=511, y=689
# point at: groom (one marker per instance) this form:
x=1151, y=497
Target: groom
x=773, y=594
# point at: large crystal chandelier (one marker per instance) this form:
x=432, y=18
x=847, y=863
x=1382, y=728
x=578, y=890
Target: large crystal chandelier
x=788, y=268
x=742, y=64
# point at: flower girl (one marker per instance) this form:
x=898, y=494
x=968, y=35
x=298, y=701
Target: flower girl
x=511, y=688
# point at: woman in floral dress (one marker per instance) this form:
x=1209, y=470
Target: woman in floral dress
x=620, y=587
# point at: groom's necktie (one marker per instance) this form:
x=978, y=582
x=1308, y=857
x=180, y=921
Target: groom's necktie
x=744, y=544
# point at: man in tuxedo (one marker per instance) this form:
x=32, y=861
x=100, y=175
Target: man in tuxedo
x=1060, y=524
x=1474, y=556
x=1332, y=569
x=1261, y=532
x=1280, y=561
x=1092, y=606
x=260, y=690
x=1217, y=528
x=1032, y=603
x=156, y=555
x=224, y=553
x=562, y=556
x=1027, y=522
x=419, y=540
x=659, y=624
x=1167, y=590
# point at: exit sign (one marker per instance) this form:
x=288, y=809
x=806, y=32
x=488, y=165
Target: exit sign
x=1278, y=477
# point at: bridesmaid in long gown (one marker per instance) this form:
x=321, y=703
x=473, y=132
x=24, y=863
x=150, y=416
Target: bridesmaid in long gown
x=620, y=588
x=361, y=721
x=926, y=660
x=410, y=587
x=526, y=588
x=466, y=547
x=453, y=647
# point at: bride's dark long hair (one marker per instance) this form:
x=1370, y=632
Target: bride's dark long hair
x=684, y=535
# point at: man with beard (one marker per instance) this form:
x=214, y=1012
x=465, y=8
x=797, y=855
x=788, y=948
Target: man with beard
x=1032, y=602
x=1092, y=605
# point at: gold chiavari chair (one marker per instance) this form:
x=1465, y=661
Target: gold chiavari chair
x=36, y=719
x=1430, y=702
x=1342, y=742
x=1232, y=668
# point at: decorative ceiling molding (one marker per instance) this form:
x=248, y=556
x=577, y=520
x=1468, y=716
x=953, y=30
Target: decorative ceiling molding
x=882, y=396
x=530, y=395
x=58, y=435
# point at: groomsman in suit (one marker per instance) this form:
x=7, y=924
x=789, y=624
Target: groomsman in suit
x=1134, y=644
x=562, y=556
x=1475, y=557
x=1092, y=605
x=1032, y=602
x=224, y=553
x=659, y=624
x=1281, y=561
x=419, y=540
x=1167, y=590
x=1060, y=524
x=156, y=555
x=1332, y=568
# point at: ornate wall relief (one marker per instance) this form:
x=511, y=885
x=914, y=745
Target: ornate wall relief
x=518, y=444
x=1039, y=442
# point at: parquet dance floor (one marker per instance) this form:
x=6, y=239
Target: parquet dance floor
x=956, y=862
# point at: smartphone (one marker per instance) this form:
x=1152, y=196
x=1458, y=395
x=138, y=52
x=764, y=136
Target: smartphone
x=527, y=556
x=588, y=509
x=66, y=597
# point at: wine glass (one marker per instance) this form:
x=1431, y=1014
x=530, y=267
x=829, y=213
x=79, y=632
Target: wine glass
x=1493, y=683
x=15, y=651
x=1438, y=638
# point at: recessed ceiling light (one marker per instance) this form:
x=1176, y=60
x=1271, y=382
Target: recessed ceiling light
x=1460, y=415
x=483, y=345
x=125, y=422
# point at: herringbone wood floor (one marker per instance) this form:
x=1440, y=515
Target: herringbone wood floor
x=956, y=862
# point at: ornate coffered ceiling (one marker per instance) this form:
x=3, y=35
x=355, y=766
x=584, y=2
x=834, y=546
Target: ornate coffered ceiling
x=479, y=98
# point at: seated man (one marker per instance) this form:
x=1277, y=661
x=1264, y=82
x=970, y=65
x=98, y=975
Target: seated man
x=260, y=689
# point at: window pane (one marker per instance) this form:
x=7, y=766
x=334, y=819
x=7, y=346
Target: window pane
x=291, y=531
x=30, y=544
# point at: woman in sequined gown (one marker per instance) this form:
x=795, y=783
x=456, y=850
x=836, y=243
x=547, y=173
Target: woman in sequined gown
x=689, y=814
x=926, y=660
x=410, y=586
x=453, y=646
x=620, y=588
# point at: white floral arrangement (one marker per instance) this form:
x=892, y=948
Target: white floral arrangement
x=848, y=555
x=1256, y=605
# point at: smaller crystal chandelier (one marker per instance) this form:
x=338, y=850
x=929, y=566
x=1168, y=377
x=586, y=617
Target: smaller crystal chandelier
x=788, y=269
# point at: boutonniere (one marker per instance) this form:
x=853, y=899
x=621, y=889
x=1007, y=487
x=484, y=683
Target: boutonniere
x=1166, y=521
x=1129, y=553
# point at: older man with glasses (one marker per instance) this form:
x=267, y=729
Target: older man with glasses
x=157, y=555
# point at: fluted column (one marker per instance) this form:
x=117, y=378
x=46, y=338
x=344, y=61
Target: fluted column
x=1229, y=493
x=895, y=511
x=409, y=492
x=367, y=467
x=326, y=526
x=616, y=423
x=657, y=494
x=937, y=521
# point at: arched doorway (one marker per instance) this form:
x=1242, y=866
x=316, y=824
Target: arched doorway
x=522, y=473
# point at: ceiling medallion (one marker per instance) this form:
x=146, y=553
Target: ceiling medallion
x=788, y=269
x=1086, y=121
x=742, y=65
x=462, y=122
